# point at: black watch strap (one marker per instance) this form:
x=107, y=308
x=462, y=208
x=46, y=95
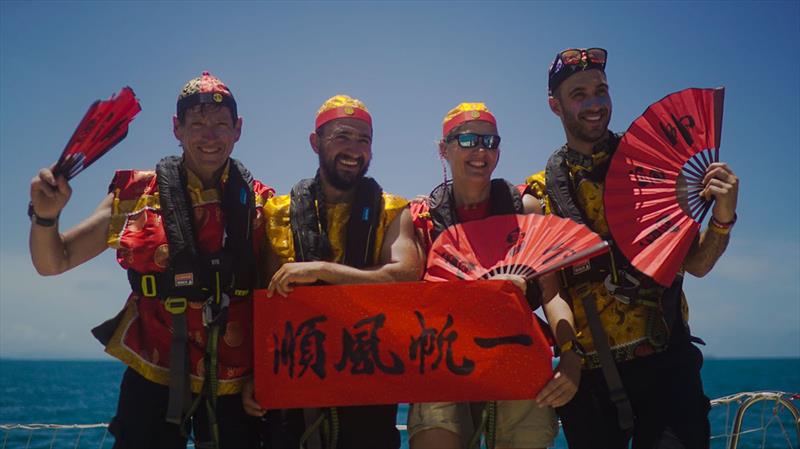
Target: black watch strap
x=46, y=222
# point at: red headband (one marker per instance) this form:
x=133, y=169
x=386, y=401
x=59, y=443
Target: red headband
x=467, y=116
x=343, y=112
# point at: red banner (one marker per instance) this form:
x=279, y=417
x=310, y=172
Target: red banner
x=392, y=343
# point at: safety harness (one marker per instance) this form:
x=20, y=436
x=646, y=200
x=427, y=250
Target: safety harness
x=209, y=278
x=309, y=226
x=619, y=277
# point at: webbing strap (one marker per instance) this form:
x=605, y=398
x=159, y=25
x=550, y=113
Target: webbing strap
x=180, y=396
x=484, y=419
x=212, y=381
x=477, y=410
x=313, y=418
x=607, y=363
x=320, y=424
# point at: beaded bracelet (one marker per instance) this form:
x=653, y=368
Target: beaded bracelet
x=721, y=228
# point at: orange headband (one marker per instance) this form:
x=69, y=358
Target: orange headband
x=467, y=116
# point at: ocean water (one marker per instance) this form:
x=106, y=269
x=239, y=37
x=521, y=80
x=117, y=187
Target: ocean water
x=85, y=392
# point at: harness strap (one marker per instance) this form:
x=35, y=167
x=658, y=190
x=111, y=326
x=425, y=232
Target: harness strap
x=313, y=418
x=616, y=390
x=212, y=382
x=180, y=394
x=177, y=216
x=484, y=420
x=619, y=282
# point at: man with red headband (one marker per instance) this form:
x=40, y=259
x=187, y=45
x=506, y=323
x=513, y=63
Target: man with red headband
x=471, y=146
x=184, y=233
x=338, y=227
x=644, y=384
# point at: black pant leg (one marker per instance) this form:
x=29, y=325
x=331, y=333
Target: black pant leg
x=282, y=429
x=676, y=417
x=368, y=427
x=589, y=420
x=237, y=429
x=140, y=420
x=360, y=427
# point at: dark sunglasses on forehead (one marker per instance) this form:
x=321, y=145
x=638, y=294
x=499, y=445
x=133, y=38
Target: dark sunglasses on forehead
x=575, y=56
x=472, y=140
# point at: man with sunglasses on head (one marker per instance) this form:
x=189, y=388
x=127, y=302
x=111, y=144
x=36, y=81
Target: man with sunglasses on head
x=184, y=233
x=641, y=372
x=338, y=227
x=470, y=145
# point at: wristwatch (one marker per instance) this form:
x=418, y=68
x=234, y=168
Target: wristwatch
x=571, y=345
x=46, y=222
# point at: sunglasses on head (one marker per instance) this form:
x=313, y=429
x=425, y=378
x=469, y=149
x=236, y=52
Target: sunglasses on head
x=575, y=56
x=472, y=140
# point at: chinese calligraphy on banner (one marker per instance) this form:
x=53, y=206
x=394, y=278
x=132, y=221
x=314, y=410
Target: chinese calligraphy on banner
x=390, y=343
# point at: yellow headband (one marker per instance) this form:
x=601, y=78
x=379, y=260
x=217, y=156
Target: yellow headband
x=342, y=106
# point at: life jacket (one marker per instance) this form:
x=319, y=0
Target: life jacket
x=505, y=199
x=309, y=223
x=189, y=274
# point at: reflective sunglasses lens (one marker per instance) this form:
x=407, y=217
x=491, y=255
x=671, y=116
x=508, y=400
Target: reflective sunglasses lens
x=571, y=57
x=491, y=142
x=597, y=55
x=468, y=140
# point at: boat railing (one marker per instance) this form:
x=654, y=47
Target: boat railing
x=766, y=419
x=757, y=413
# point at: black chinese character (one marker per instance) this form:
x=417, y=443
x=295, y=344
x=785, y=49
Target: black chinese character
x=312, y=351
x=646, y=177
x=683, y=125
x=362, y=351
x=431, y=341
x=519, y=339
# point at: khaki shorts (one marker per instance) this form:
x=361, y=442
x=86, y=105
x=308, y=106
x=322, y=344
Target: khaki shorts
x=520, y=424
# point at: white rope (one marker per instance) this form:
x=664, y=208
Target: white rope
x=52, y=426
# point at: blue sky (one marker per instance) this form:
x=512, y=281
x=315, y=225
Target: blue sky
x=410, y=63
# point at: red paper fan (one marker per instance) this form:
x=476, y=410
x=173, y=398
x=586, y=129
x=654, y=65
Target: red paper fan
x=525, y=245
x=104, y=125
x=652, y=201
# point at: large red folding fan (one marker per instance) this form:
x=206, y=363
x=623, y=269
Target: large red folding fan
x=525, y=245
x=652, y=201
x=104, y=125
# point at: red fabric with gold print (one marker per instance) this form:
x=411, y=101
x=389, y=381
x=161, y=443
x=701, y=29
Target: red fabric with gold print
x=143, y=338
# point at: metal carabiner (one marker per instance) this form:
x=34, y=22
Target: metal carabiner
x=614, y=289
x=209, y=316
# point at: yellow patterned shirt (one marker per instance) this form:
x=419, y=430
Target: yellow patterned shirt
x=279, y=233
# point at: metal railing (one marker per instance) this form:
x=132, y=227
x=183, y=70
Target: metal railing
x=777, y=409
